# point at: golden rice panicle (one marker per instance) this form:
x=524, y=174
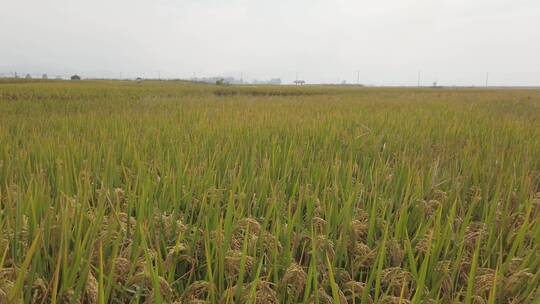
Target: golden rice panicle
x=294, y=280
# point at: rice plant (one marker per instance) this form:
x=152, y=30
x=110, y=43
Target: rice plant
x=164, y=192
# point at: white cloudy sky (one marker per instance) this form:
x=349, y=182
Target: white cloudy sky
x=388, y=41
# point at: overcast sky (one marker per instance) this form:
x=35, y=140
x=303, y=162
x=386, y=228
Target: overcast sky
x=387, y=41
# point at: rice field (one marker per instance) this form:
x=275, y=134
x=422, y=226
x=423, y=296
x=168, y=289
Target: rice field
x=169, y=192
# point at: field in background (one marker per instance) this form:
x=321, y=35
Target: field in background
x=160, y=192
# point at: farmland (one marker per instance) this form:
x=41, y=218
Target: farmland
x=169, y=192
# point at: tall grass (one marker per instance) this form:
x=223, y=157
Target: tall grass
x=112, y=192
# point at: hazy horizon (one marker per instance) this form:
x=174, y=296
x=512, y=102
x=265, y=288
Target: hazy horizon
x=387, y=42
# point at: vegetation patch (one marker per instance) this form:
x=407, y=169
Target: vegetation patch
x=158, y=192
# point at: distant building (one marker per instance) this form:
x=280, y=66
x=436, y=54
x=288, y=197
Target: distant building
x=44, y=76
x=75, y=77
x=299, y=82
x=234, y=81
x=139, y=80
x=28, y=76
x=276, y=81
x=436, y=86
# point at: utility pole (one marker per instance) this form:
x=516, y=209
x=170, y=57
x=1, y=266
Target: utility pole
x=487, y=79
x=358, y=77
